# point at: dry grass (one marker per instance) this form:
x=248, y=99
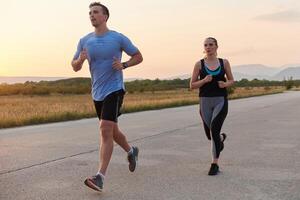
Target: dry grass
x=296, y=88
x=26, y=110
x=159, y=99
x=255, y=91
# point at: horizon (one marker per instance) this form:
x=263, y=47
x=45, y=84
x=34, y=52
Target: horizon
x=247, y=75
x=169, y=34
x=243, y=72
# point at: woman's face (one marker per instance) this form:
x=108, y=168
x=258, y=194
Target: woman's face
x=210, y=47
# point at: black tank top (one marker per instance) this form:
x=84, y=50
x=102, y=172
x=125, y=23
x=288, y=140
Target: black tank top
x=212, y=89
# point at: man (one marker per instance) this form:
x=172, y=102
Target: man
x=103, y=50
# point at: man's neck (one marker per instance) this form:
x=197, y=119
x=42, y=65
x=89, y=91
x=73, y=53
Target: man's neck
x=100, y=30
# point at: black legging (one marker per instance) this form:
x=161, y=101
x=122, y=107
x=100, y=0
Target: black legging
x=213, y=111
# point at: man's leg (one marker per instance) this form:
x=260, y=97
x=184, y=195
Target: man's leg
x=120, y=138
x=106, y=144
x=133, y=152
x=107, y=112
x=105, y=151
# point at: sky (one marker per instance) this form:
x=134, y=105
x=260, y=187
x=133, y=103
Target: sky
x=39, y=38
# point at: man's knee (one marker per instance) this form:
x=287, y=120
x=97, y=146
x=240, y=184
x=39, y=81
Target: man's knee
x=107, y=128
x=117, y=133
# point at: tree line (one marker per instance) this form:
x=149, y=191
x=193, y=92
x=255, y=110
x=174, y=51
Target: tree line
x=83, y=86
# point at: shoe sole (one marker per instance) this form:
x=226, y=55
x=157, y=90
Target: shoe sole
x=214, y=174
x=91, y=185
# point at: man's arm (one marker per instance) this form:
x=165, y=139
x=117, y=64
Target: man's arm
x=77, y=63
x=135, y=59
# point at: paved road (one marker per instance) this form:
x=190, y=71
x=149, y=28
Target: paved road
x=260, y=159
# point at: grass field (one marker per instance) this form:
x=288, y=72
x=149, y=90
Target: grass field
x=27, y=110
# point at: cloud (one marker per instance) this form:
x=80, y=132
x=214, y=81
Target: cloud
x=282, y=16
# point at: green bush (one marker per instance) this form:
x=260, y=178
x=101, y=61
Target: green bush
x=289, y=83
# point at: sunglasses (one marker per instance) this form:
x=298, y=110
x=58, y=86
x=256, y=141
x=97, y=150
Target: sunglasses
x=209, y=44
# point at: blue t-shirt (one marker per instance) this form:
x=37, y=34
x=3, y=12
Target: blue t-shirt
x=101, y=50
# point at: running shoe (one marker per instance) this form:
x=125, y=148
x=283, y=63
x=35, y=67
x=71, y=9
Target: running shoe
x=132, y=159
x=95, y=183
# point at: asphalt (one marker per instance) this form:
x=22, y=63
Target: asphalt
x=260, y=160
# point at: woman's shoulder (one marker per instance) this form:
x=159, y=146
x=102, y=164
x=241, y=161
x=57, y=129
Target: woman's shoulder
x=198, y=64
x=224, y=60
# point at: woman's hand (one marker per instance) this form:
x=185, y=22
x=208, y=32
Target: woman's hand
x=222, y=84
x=207, y=78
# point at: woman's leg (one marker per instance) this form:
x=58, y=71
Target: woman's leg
x=219, y=115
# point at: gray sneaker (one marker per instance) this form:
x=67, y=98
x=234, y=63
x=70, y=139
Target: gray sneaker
x=95, y=183
x=132, y=159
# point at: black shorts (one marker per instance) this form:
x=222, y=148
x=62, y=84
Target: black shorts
x=109, y=108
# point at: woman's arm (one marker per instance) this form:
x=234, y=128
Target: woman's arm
x=229, y=76
x=195, y=83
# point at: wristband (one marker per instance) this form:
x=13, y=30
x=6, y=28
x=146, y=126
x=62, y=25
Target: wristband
x=125, y=65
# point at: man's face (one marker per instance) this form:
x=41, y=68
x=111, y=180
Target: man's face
x=96, y=16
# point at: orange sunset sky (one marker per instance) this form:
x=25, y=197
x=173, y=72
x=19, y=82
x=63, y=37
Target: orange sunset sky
x=39, y=38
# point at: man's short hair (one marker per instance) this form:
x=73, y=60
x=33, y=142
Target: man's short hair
x=104, y=8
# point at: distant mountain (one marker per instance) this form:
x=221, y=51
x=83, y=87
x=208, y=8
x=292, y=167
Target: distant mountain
x=238, y=76
x=264, y=72
x=252, y=71
x=289, y=65
x=244, y=71
x=293, y=72
x=256, y=69
x=182, y=77
x=23, y=79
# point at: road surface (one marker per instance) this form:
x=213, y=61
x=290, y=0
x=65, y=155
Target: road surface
x=260, y=159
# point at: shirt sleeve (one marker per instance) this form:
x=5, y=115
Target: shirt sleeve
x=79, y=49
x=127, y=46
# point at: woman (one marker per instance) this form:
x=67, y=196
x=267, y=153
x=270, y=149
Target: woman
x=215, y=76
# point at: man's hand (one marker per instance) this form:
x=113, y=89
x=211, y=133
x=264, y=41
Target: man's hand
x=77, y=64
x=83, y=55
x=117, y=65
